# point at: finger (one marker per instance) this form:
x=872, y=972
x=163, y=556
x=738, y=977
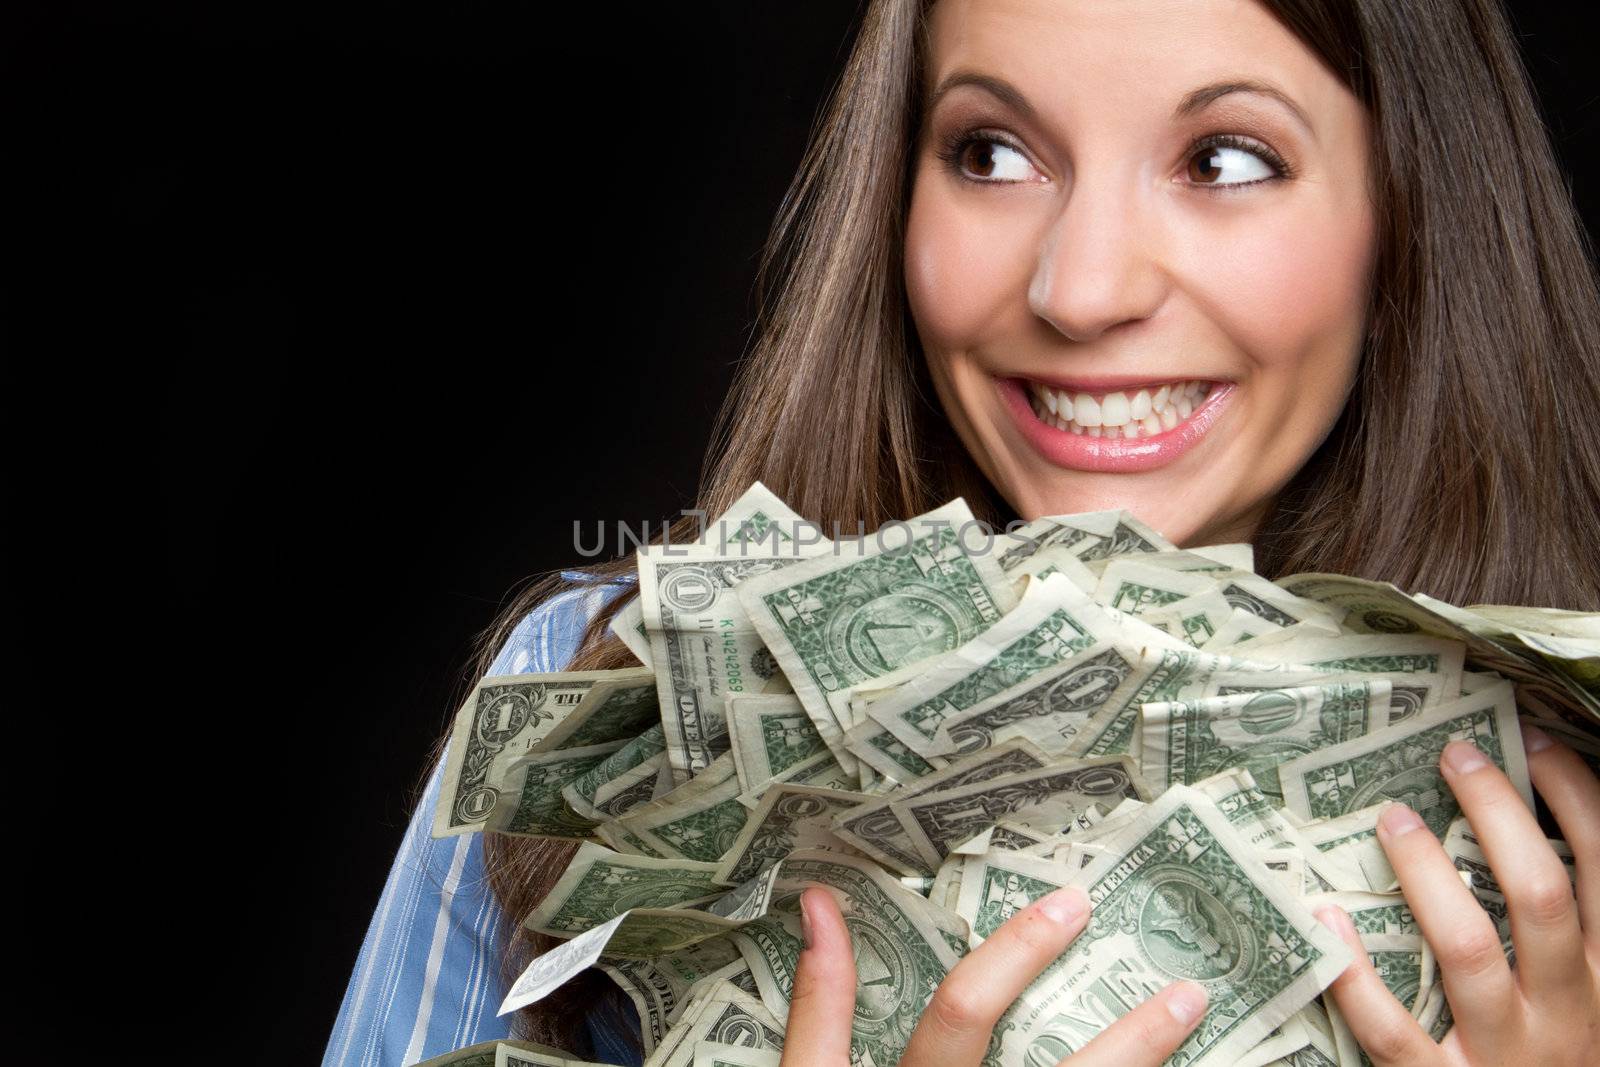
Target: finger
x=1544, y=916
x=1381, y=1024
x=822, y=1005
x=1572, y=793
x=1148, y=1034
x=1466, y=945
x=956, y=1024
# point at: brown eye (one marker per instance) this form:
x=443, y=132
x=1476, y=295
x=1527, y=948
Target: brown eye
x=1208, y=169
x=985, y=160
x=980, y=156
x=1220, y=163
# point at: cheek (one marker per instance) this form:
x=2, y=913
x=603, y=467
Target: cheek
x=963, y=272
x=1294, y=296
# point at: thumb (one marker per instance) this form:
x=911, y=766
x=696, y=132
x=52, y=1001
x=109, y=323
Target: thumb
x=822, y=1005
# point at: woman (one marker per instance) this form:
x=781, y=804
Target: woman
x=1302, y=273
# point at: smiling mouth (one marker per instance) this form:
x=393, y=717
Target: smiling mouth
x=1131, y=414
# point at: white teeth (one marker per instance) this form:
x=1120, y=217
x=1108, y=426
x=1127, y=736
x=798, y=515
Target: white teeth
x=1086, y=409
x=1114, y=409
x=1117, y=414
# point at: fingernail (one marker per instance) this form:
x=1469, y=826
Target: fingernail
x=1464, y=758
x=1534, y=739
x=805, y=919
x=1398, y=820
x=1064, y=905
x=1186, y=1002
x=1334, y=919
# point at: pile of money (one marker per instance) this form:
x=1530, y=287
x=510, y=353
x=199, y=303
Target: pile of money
x=939, y=723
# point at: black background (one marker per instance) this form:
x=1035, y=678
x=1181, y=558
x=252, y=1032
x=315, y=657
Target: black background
x=376, y=301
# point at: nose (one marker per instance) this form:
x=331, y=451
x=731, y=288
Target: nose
x=1099, y=262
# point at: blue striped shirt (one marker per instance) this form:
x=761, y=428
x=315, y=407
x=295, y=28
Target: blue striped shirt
x=427, y=979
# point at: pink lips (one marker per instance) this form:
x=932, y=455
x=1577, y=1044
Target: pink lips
x=1112, y=455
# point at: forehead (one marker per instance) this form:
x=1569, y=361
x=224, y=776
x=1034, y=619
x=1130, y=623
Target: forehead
x=1078, y=60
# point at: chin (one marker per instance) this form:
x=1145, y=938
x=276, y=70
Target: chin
x=1181, y=511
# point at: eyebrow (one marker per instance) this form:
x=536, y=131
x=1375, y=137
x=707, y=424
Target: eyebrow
x=1193, y=102
x=1206, y=95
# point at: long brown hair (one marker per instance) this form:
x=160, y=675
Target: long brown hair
x=1466, y=463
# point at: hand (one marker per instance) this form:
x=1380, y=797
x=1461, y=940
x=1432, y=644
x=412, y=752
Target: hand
x=1545, y=1011
x=955, y=1027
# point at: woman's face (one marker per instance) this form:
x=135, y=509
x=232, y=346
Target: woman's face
x=1135, y=288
